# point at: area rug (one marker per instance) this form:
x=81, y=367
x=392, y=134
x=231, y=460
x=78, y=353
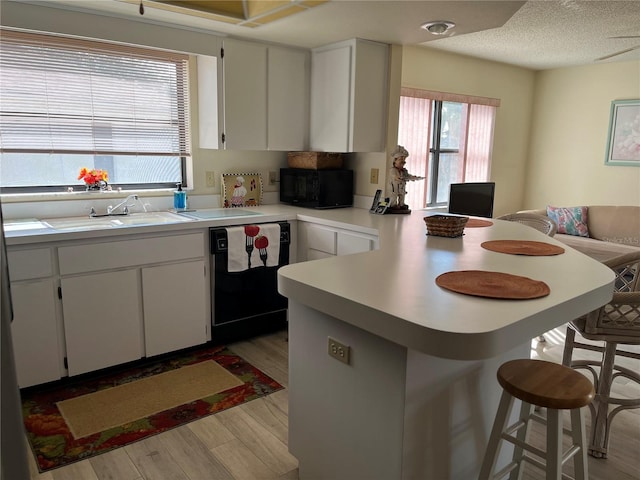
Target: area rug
x=54, y=444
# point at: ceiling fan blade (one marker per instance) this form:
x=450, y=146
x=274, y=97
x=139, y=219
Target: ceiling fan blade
x=627, y=36
x=618, y=53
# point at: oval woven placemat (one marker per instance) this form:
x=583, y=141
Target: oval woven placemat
x=478, y=222
x=481, y=283
x=522, y=247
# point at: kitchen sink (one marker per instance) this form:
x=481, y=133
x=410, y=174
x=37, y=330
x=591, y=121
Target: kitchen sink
x=98, y=223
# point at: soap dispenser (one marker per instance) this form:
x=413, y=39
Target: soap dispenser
x=179, y=198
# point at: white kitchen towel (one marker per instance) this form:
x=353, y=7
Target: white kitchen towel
x=251, y=246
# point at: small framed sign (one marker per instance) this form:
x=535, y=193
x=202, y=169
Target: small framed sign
x=241, y=190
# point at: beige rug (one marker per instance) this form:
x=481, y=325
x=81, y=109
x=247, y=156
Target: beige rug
x=99, y=411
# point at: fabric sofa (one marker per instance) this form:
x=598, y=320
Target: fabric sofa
x=612, y=230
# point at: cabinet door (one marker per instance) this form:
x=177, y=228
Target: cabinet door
x=349, y=96
x=245, y=95
x=370, y=97
x=35, y=333
x=102, y=320
x=288, y=99
x=331, y=100
x=174, y=299
x=209, y=114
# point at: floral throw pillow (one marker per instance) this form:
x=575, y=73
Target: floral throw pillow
x=571, y=220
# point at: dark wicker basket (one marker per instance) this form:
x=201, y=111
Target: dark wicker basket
x=445, y=225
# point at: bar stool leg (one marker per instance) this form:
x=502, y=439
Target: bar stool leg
x=526, y=409
x=579, y=437
x=499, y=425
x=600, y=425
x=554, y=444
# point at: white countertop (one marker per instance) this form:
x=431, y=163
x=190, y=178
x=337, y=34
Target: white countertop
x=392, y=293
x=265, y=213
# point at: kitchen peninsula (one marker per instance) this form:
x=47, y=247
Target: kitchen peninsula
x=416, y=392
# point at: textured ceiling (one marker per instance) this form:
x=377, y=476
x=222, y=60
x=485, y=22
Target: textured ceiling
x=548, y=34
x=537, y=34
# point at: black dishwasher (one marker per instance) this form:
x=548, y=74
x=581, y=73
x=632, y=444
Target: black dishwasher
x=246, y=303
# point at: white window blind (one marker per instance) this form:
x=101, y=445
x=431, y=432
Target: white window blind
x=472, y=161
x=70, y=96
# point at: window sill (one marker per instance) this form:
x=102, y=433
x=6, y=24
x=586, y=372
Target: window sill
x=80, y=195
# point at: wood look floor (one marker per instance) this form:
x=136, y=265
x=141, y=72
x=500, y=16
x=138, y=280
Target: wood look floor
x=250, y=441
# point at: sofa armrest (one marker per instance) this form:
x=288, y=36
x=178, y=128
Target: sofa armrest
x=539, y=211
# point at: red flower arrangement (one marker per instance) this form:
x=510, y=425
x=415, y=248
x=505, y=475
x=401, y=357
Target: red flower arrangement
x=94, y=179
x=92, y=176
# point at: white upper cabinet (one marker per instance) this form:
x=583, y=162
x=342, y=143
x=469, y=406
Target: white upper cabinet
x=349, y=84
x=245, y=95
x=266, y=99
x=288, y=99
x=209, y=115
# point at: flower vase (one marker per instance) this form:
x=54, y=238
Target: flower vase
x=97, y=186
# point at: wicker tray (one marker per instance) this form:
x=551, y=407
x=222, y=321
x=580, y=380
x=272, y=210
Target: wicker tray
x=445, y=225
x=314, y=160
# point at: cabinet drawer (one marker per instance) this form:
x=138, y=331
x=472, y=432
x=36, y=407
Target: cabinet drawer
x=28, y=264
x=317, y=255
x=348, y=243
x=321, y=239
x=105, y=256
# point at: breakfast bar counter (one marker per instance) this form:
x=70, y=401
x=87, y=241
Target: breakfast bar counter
x=416, y=392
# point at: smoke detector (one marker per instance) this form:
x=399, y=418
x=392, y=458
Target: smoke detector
x=439, y=27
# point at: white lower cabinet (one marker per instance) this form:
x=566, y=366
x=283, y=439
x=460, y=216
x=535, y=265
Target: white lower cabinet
x=102, y=320
x=34, y=332
x=348, y=243
x=320, y=241
x=132, y=298
x=174, y=298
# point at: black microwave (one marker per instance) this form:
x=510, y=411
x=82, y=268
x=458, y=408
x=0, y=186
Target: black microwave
x=331, y=188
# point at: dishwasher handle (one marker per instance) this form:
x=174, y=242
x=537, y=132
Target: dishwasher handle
x=218, y=242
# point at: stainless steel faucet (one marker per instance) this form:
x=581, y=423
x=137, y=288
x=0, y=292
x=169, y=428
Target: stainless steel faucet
x=112, y=210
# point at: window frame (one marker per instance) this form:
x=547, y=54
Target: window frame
x=434, y=129
x=179, y=130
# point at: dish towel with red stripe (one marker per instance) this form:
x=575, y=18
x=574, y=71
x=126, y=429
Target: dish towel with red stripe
x=251, y=246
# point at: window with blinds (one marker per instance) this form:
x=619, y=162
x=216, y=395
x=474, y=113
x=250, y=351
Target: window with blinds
x=68, y=103
x=449, y=139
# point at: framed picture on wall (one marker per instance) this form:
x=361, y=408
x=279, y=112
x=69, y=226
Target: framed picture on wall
x=623, y=144
x=241, y=190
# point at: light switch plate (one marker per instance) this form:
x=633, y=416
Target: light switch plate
x=211, y=179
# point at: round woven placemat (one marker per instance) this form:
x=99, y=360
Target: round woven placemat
x=478, y=222
x=522, y=247
x=492, y=285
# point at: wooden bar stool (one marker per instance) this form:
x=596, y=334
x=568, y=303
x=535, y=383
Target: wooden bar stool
x=543, y=384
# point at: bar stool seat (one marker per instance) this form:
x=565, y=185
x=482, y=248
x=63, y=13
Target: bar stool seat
x=538, y=383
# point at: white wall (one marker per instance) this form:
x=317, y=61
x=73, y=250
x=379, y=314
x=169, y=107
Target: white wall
x=569, y=137
x=430, y=69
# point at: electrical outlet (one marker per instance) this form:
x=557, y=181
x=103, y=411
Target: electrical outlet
x=211, y=179
x=339, y=351
x=374, y=175
x=272, y=177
